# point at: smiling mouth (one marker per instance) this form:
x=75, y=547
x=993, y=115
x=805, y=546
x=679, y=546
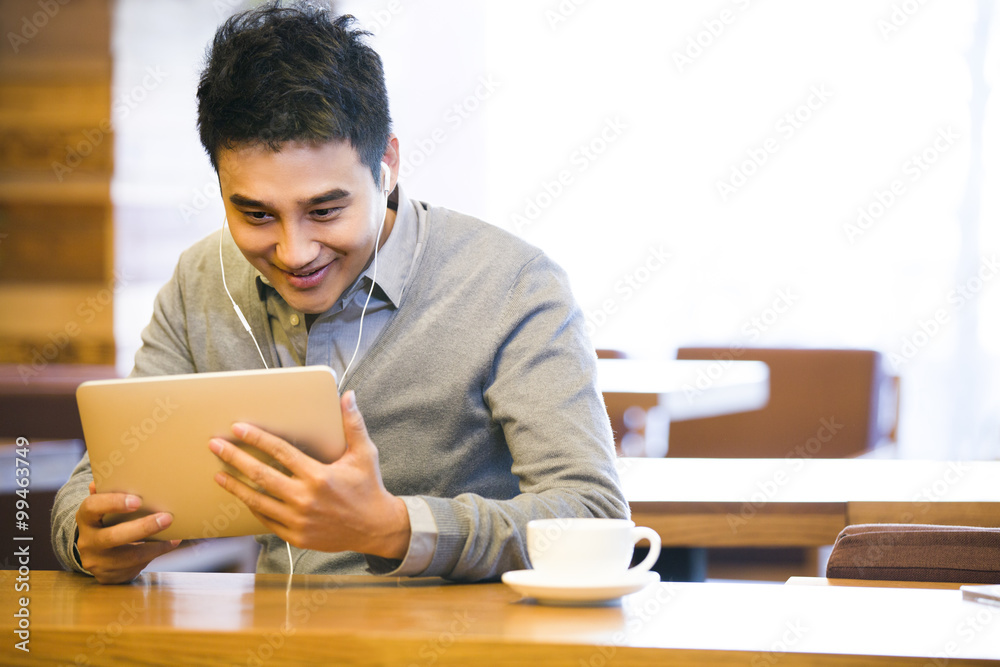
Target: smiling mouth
x=304, y=280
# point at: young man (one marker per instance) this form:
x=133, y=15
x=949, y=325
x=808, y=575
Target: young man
x=473, y=370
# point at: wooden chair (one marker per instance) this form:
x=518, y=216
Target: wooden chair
x=824, y=403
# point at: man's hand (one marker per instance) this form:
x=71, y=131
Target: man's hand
x=341, y=506
x=117, y=554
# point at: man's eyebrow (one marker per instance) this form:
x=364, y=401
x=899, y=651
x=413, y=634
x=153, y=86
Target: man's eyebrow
x=240, y=200
x=330, y=195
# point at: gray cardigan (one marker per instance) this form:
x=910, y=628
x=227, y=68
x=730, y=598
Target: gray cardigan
x=479, y=393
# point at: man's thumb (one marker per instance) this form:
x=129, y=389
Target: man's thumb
x=354, y=423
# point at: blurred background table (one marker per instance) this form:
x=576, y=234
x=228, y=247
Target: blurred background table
x=801, y=501
x=644, y=396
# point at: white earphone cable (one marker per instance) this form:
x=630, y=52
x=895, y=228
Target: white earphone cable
x=239, y=313
x=364, y=309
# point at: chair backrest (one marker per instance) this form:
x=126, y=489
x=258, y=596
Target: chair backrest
x=824, y=403
x=916, y=552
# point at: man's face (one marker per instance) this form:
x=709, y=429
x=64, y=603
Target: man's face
x=306, y=217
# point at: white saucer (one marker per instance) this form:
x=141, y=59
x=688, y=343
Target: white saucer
x=547, y=590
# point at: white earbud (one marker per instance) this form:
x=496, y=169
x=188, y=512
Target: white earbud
x=386, y=178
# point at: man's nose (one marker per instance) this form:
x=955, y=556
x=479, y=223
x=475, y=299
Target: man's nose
x=296, y=249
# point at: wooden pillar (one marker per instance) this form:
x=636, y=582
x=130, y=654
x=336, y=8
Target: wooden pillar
x=56, y=158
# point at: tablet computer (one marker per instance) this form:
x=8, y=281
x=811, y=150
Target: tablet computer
x=149, y=436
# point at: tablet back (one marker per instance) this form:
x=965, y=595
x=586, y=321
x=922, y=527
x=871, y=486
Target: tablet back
x=149, y=436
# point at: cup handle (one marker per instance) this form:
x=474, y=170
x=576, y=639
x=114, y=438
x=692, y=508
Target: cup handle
x=643, y=533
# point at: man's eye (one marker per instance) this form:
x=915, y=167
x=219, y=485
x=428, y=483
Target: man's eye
x=257, y=215
x=325, y=212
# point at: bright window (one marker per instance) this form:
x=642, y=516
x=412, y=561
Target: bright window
x=690, y=164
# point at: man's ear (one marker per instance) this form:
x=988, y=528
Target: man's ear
x=391, y=159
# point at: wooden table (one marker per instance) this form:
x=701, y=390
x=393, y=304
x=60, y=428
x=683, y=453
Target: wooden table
x=212, y=619
x=800, y=501
x=689, y=389
x=665, y=391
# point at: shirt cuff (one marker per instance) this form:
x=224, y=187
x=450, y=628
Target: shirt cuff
x=75, y=553
x=423, y=541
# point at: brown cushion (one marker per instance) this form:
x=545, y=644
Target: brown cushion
x=916, y=552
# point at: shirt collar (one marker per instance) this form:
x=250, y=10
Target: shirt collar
x=396, y=254
x=395, y=257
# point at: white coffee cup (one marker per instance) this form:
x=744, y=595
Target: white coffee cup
x=588, y=549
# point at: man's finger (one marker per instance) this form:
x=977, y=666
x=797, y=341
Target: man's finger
x=130, y=555
x=257, y=502
x=260, y=474
x=94, y=507
x=136, y=530
x=277, y=448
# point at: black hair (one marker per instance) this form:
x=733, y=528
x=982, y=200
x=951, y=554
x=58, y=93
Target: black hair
x=276, y=74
